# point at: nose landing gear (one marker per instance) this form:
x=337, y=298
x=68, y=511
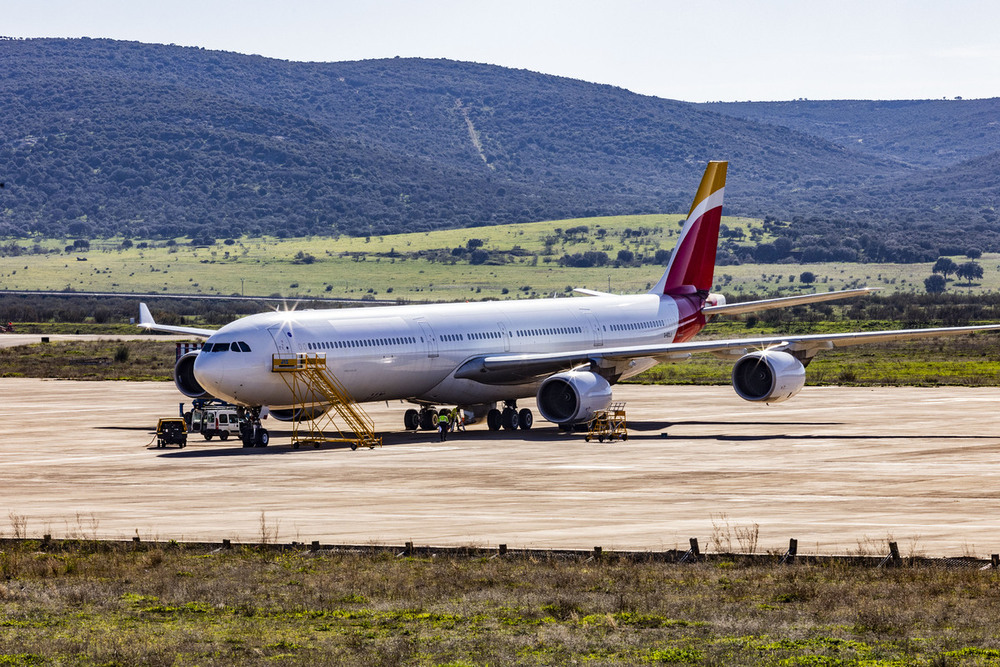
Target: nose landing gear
x=252, y=433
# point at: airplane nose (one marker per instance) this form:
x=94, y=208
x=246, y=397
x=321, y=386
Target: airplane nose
x=209, y=372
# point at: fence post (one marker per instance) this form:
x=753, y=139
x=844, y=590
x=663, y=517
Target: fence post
x=893, y=558
x=793, y=548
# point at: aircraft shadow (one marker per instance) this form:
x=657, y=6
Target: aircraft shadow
x=659, y=426
x=638, y=431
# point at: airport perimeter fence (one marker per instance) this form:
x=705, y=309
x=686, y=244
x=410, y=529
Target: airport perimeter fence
x=692, y=555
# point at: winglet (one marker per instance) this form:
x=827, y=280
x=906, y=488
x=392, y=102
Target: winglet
x=692, y=264
x=145, y=317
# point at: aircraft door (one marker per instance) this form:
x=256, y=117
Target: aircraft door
x=595, y=326
x=505, y=336
x=282, y=338
x=430, y=340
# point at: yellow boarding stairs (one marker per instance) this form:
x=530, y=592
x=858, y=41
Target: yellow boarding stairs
x=307, y=377
x=609, y=424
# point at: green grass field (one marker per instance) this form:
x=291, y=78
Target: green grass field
x=421, y=267
x=355, y=267
x=962, y=361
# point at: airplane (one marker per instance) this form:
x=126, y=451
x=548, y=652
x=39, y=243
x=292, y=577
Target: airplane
x=565, y=352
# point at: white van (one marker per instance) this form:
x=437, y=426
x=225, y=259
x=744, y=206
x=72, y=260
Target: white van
x=215, y=420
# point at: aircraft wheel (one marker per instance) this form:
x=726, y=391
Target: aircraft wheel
x=525, y=419
x=428, y=420
x=263, y=437
x=510, y=420
x=494, y=419
x=411, y=420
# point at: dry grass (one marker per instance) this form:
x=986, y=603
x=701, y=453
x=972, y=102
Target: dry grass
x=168, y=605
x=90, y=360
x=959, y=361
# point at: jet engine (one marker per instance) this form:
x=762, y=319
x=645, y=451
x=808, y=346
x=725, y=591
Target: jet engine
x=770, y=376
x=298, y=414
x=184, y=377
x=573, y=396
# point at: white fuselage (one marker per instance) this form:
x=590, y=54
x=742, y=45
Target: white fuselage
x=412, y=352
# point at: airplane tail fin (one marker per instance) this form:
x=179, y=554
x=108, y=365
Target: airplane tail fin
x=692, y=264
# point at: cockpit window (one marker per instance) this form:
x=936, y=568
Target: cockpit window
x=220, y=347
x=207, y=347
x=243, y=346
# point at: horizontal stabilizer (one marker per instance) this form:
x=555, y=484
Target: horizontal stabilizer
x=591, y=292
x=784, y=302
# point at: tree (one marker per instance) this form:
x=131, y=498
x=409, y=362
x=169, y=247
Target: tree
x=973, y=253
x=807, y=277
x=970, y=271
x=935, y=284
x=944, y=266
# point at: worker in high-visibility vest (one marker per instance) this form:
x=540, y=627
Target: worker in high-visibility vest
x=444, y=421
x=457, y=423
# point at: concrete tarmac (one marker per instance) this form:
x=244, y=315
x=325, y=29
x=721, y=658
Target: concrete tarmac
x=843, y=470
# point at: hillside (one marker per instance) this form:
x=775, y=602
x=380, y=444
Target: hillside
x=104, y=138
x=927, y=134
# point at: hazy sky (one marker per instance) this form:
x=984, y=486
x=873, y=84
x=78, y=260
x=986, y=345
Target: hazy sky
x=691, y=50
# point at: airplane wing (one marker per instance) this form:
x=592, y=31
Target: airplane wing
x=147, y=322
x=515, y=368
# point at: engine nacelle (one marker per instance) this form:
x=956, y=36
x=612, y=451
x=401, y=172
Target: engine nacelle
x=184, y=377
x=769, y=376
x=573, y=397
x=298, y=414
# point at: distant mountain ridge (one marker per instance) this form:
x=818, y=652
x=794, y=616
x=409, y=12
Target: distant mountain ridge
x=102, y=137
x=928, y=134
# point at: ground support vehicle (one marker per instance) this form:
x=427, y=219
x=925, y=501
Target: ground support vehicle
x=609, y=424
x=171, y=431
x=214, y=418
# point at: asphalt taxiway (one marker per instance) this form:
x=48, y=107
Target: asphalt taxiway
x=842, y=470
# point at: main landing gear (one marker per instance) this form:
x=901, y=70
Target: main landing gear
x=510, y=419
x=425, y=419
